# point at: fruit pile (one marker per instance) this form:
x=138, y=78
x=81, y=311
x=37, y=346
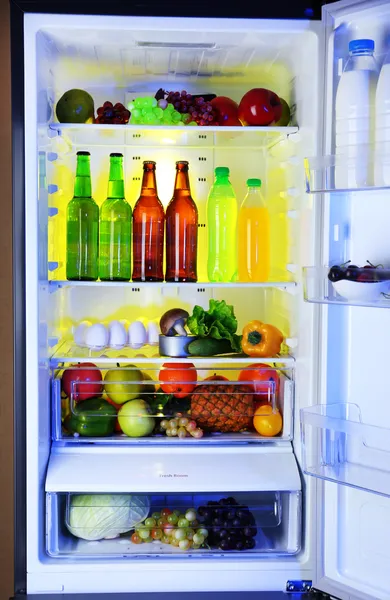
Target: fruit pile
x=369, y=273
x=110, y=114
x=198, y=110
x=181, y=427
x=231, y=525
x=149, y=111
x=174, y=527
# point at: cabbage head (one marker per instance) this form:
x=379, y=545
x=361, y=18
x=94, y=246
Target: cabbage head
x=98, y=516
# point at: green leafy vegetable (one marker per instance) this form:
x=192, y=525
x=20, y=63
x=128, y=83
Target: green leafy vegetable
x=218, y=322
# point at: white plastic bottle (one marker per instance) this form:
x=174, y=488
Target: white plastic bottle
x=382, y=126
x=355, y=117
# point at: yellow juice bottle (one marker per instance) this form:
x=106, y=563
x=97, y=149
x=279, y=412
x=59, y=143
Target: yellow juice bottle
x=253, y=236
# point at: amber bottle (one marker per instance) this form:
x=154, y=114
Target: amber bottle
x=148, y=230
x=182, y=230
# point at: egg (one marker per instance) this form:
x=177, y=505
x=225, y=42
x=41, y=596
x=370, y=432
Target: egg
x=137, y=335
x=80, y=333
x=96, y=337
x=153, y=333
x=117, y=336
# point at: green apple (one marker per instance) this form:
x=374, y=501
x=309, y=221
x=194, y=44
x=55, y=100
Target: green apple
x=119, y=384
x=134, y=418
x=285, y=117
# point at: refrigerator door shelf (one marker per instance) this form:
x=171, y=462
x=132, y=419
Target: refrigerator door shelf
x=273, y=387
x=350, y=452
x=320, y=173
x=319, y=290
x=99, y=527
x=109, y=469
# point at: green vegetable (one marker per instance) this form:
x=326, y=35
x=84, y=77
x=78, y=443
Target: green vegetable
x=94, y=417
x=209, y=347
x=98, y=516
x=219, y=322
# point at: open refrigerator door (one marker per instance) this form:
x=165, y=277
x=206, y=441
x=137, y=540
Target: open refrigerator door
x=347, y=433
x=78, y=462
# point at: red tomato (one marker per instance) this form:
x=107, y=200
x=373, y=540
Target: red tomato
x=82, y=381
x=265, y=382
x=178, y=379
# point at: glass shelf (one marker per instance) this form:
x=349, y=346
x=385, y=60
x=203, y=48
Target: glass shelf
x=348, y=452
x=163, y=285
x=66, y=351
x=319, y=290
x=149, y=135
x=320, y=175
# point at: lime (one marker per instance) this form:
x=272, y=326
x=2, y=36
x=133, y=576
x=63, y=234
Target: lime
x=75, y=106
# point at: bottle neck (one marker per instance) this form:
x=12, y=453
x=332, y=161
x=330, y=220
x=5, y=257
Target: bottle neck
x=254, y=197
x=149, y=184
x=116, y=186
x=182, y=183
x=362, y=61
x=82, y=185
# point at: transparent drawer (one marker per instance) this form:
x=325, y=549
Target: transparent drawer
x=173, y=404
x=345, y=450
x=125, y=526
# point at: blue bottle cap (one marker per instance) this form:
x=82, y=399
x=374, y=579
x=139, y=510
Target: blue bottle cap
x=358, y=46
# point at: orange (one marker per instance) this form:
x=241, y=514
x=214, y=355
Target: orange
x=267, y=422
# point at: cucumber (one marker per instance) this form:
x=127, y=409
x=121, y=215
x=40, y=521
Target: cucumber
x=209, y=347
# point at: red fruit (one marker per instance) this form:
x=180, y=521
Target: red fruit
x=178, y=379
x=265, y=381
x=165, y=512
x=82, y=381
x=259, y=107
x=227, y=111
x=216, y=378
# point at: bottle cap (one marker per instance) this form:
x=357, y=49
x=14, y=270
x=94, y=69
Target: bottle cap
x=253, y=182
x=83, y=153
x=358, y=46
x=116, y=155
x=222, y=172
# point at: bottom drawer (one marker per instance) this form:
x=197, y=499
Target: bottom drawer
x=125, y=526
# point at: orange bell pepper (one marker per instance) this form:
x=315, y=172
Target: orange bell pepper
x=261, y=340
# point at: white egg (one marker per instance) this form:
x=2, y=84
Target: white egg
x=153, y=333
x=137, y=335
x=117, y=335
x=96, y=337
x=80, y=333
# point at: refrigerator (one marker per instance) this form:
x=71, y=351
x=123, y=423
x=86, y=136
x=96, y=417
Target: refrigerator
x=318, y=492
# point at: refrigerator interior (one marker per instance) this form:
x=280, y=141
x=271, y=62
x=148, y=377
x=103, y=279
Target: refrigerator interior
x=113, y=59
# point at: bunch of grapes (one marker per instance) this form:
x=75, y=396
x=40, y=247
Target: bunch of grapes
x=231, y=526
x=181, y=427
x=172, y=527
x=199, y=110
x=108, y=114
x=149, y=111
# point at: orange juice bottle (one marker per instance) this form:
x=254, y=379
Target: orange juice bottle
x=253, y=236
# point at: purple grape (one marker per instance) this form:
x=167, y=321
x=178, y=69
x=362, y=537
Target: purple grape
x=217, y=522
x=250, y=531
x=231, y=514
x=249, y=543
x=240, y=546
x=223, y=533
x=224, y=545
x=237, y=523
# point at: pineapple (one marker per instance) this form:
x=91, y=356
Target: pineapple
x=221, y=407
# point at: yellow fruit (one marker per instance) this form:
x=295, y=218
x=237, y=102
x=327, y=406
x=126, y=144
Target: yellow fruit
x=267, y=422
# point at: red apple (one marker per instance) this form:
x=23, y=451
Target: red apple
x=227, y=111
x=82, y=381
x=259, y=107
x=216, y=377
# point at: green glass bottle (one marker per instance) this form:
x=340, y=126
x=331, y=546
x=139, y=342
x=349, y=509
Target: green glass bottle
x=115, y=227
x=82, y=226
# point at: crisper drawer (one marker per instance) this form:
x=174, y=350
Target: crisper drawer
x=173, y=404
x=125, y=526
x=244, y=500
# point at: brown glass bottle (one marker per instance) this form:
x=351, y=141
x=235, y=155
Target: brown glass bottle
x=182, y=230
x=148, y=230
